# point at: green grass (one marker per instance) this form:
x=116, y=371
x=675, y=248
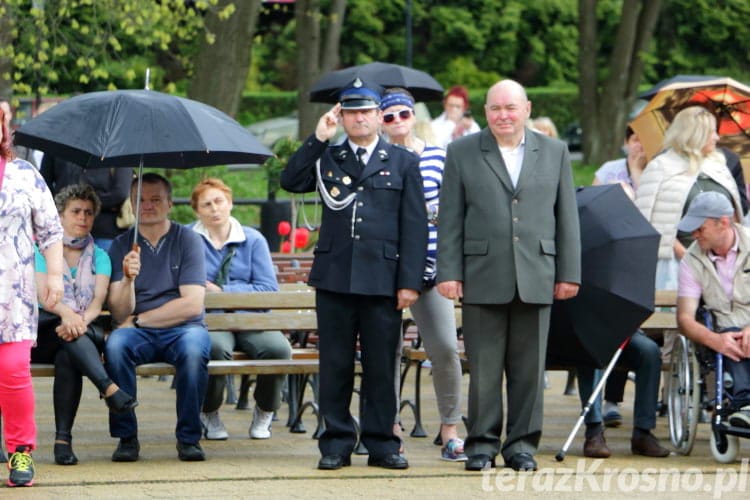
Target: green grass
x=583, y=175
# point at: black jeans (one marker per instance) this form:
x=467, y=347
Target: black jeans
x=72, y=360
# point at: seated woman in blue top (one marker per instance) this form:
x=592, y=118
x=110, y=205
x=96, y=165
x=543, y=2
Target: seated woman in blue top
x=68, y=334
x=237, y=260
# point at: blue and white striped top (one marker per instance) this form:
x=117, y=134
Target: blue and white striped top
x=431, y=165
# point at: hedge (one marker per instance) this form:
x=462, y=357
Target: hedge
x=559, y=103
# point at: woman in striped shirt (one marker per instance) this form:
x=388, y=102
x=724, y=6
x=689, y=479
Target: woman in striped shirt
x=433, y=313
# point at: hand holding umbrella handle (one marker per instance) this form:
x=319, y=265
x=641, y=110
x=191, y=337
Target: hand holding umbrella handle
x=131, y=267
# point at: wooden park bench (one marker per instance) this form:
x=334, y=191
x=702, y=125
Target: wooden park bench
x=291, y=312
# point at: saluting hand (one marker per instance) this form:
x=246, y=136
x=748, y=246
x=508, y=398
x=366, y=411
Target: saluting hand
x=328, y=124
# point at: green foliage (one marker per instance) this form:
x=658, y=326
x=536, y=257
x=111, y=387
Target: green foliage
x=283, y=149
x=559, y=103
x=245, y=184
x=703, y=37
x=72, y=46
x=257, y=106
x=583, y=175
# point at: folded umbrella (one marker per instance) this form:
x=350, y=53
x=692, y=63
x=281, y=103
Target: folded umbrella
x=420, y=84
x=618, y=255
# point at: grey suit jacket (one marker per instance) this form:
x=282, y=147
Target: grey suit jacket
x=498, y=239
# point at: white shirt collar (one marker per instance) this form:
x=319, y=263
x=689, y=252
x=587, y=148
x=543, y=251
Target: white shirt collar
x=236, y=233
x=515, y=148
x=370, y=148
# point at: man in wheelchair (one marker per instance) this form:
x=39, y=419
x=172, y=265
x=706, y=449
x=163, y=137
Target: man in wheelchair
x=716, y=268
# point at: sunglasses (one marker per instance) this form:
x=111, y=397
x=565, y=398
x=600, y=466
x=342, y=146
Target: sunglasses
x=404, y=114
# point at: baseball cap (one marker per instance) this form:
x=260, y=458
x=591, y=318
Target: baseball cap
x=360, y=95
x=707, y=205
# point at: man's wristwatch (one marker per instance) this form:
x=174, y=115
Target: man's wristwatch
x=135, y=321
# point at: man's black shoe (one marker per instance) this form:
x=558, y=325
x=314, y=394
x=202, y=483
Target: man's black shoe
x=190, y=452
x=479, y=462
x=127, y=450
x=333, y=462
x=392, y=461
x=521, y=462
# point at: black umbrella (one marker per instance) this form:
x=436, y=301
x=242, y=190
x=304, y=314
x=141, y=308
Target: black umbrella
x=421, y=85
x=129, y=128
x=618, y=255
x=143, y=128
x=648, y=94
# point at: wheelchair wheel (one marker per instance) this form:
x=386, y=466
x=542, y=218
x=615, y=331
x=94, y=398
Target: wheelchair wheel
x=724, y=447
x=683, y=393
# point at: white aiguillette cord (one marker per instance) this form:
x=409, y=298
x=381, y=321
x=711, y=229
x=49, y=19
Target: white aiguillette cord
x=330, y=201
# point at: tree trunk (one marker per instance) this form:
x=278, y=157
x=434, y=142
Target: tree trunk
x=6, y=40
x=607, y=111
x=330, y=59
x=588, y=85
x=313, y=60
x=221, y=68
x=307, y=36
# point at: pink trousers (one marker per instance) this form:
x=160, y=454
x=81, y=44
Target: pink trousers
x=17, y=395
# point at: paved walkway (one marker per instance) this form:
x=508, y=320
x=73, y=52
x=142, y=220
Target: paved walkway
x=284, y=466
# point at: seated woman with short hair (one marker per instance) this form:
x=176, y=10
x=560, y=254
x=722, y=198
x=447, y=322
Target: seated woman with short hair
x=237, y=260
x=68, y=334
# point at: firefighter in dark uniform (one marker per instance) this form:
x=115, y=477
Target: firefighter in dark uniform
x=368, y=266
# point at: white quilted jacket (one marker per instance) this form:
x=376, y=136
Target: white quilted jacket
x=663, y=190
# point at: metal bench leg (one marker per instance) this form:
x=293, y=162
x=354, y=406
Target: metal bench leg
x=243, y=402
x=231, y=395
x=416, y=405
x=296, y=425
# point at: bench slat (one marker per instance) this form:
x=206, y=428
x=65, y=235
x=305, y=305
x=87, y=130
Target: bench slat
x=303, y=299
x=217, y=367
x=271, y=320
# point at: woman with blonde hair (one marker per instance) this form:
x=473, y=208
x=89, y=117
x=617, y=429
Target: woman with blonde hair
x=689, y=165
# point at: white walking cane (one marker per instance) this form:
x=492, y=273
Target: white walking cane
x=561, y=454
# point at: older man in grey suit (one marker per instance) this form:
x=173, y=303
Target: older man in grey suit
x=508, y=245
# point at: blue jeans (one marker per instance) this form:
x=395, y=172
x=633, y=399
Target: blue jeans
x=186, y=347
x=642, y=356
x=740, y=372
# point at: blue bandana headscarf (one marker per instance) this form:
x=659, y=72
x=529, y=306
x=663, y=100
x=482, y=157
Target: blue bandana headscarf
x=397, y=98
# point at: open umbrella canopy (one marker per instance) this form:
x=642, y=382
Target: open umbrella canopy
x=727, y=99
x=650, y=93
x=421, y=85
x=128, y=128
x=618, y=256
